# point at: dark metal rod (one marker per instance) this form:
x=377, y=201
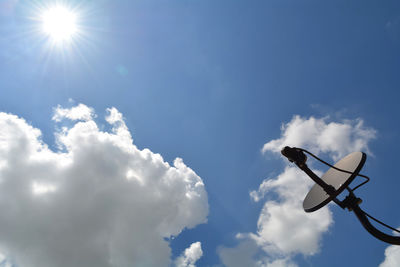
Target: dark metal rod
x=329, y=189
x=395, y=240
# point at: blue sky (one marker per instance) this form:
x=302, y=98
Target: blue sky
x=211, y=82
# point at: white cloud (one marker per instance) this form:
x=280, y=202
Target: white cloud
x=319, y=135
x=284, y=229
x=113, y=116
x=286, y=262
x=79, y=112
x=4, y=262
x=283, y=226
x=100, y=202
x=190, y=256
x=392, y=257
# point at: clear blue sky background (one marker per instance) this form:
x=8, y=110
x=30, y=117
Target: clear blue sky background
x=212, y=81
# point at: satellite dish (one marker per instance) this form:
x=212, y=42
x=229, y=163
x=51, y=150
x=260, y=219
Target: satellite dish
x=334, y=182
x=317, y=197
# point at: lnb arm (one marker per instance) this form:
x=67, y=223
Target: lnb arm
x=297, y=156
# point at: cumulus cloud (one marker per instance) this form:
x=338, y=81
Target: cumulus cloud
x=79, y=112
x=392, y=257
x=99, y=202
x=283, y=228
x=318, y=135
x=190, y=256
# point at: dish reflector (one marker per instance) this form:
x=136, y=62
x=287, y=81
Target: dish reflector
x=317, y=197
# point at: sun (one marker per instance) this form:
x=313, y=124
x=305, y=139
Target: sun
x=59, y=23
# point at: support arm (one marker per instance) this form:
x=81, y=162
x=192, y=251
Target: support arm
x=351, y=203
